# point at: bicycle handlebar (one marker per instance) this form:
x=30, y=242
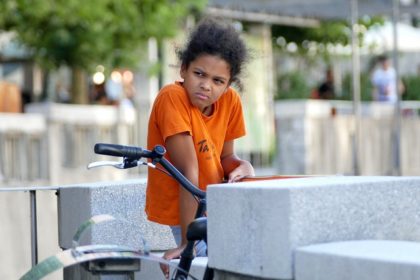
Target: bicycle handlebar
x=156, y=155
x=121, y=151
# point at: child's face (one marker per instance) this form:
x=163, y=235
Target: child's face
x=205, y=80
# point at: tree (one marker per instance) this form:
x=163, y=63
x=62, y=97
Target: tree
x=307, y=45
x=328, y=32
x=82, y=34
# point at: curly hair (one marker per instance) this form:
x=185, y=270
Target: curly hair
x=214, y=38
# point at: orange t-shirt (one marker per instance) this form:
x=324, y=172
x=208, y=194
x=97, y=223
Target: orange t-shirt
x=172, y=113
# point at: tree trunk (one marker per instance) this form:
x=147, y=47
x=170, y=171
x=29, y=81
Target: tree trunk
x=79, y=88
x=45, y=85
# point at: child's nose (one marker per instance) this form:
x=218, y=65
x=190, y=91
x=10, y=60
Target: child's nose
x=205, y=85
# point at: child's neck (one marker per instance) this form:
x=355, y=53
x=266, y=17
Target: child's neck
x=207, y=111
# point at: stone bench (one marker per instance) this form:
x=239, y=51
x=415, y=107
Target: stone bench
x=359, y=260
x=125, y=201
x=262, y=223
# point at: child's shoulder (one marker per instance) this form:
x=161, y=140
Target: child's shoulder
x=174, y=87
x=231, y=95
x=172, y=93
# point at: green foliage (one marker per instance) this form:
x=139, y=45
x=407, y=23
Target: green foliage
x=82, y=34
x=311, y=44
x=336, y=32
x=412, y=88
x=292, y=85
x=365, y=87
x=328, y=32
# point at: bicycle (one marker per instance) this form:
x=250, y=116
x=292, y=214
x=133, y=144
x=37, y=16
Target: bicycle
x=104, y=258
x=197, y=230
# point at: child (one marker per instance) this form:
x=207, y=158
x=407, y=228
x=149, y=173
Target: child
x=197, y=120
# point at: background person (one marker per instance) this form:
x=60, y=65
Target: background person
x=384, y=81
x=326, y=89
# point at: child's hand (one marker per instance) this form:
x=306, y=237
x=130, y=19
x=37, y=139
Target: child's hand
x=169, y=255
x=244, y=169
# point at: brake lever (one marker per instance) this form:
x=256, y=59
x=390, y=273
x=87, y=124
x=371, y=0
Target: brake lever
x=116, y=164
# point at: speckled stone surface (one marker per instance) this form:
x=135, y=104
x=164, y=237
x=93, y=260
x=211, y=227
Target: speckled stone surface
x=125, y=201
x=261, y=223
x=359, y=260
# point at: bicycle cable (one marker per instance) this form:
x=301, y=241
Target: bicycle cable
x=165, y=172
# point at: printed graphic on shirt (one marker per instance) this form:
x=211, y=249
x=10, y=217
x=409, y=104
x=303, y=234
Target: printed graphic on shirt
x=207, y=149
x=203, y=147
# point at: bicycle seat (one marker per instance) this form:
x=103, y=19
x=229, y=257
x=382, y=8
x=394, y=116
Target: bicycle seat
x=197, y=230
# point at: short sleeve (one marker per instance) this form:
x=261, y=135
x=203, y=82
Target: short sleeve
x=173, y=112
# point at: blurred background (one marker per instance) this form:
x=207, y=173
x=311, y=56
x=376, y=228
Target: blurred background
x=74, y=73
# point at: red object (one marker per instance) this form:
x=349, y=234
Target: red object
x=273, y=177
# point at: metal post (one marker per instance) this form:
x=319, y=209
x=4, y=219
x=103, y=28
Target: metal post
x=356, y=84
x=34, y=233
x=397, y=110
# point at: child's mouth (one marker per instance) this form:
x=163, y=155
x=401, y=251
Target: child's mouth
x=202, y=96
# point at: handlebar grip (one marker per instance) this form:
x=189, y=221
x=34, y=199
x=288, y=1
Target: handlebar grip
x=120, y=150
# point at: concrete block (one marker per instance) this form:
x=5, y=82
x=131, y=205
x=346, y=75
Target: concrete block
x=359, y=260
x=125, y=201
x=261, y=223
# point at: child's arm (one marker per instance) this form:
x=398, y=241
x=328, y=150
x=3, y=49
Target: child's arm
x=234, y=167
x=181, y=150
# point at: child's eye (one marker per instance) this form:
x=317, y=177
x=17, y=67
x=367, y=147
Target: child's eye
x=198, y=73
x=219, y=82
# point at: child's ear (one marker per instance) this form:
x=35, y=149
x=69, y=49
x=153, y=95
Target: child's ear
x=182, y=70
x=228, y=85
